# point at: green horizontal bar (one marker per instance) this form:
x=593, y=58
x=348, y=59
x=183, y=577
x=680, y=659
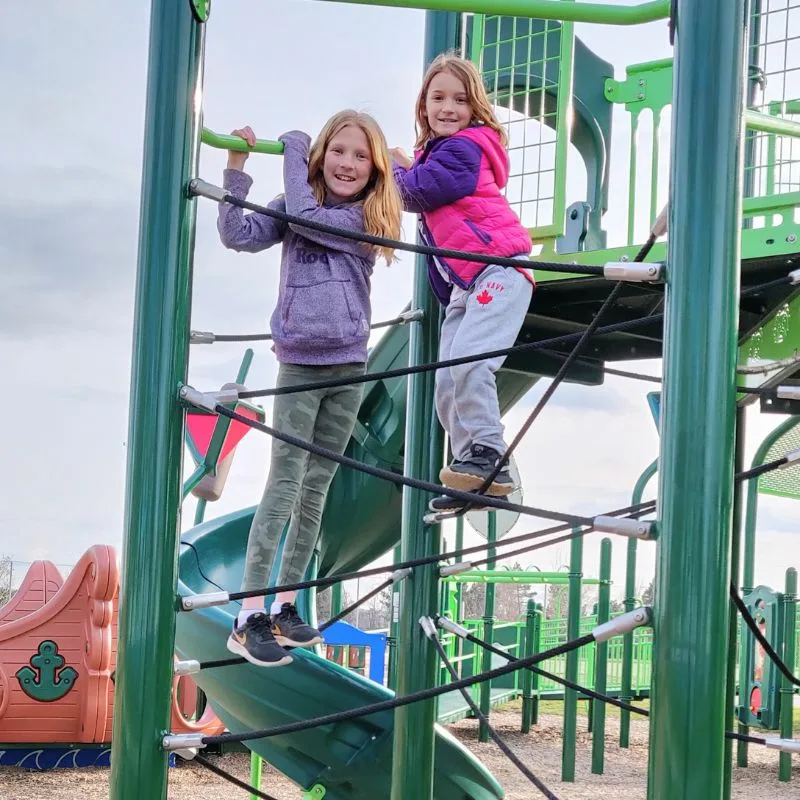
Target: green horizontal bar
x=765, y=123
x=223, y=142
x=514, y=576
x=601, y=13
x=771, y=203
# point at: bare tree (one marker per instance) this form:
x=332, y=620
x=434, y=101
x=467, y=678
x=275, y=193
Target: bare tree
x=6, y=574
x=648, y=593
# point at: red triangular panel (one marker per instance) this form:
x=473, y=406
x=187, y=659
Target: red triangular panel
x=200, y=428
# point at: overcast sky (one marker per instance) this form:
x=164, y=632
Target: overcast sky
x=72, y=78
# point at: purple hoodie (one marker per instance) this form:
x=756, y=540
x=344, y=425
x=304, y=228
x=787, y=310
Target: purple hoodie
x=456, y=185
x=323, y=312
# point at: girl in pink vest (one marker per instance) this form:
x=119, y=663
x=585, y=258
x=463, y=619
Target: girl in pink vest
x=455, y=183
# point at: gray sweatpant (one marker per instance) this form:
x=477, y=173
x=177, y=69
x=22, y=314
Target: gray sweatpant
x=298, y=481
x=486, y=317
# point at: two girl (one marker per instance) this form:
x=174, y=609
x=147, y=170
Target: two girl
x=320, y=328
x=455, y=183
x=321, y=323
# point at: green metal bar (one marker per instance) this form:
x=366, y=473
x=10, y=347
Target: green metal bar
x=733, y=626
x=626, y=688
x=789, y=653
x=516, y=576
x=569, y=738
x=778, y=202
x=391, y=642
x=632, y=176
x=417, y=662
x=751, y=513
x=227, y=142
x=256, y=767
x=337, y=604
x=155, y=437
x=601, y=660
x=566, y=70
x=537, y=648
x=687, y=724
x=199, y=473
x=458, y=560
x=527, y=674
x=200, y=510
x=485, y=690
x=601, y=14
x=654, y=166
x=756, y=121
x=458, y=642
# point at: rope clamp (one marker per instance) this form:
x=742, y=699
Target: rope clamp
x=201, y=188
x=788, y=392
x=195, y=601
x=401, y=574
x=190, y=667
x=632, y=528
x=208, y=400
x=633, y=271
x=454, y=569
x=185, y=745
x=792, y=457
x=794, y=277
x=416, y=315
x=428, y=628
x=201, y=337
x=784, y=745
x=452, y=627
x=624, y=623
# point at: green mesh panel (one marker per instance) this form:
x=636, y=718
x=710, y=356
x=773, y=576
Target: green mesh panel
x=776, y=55
x=527, y=66
x=783, y=482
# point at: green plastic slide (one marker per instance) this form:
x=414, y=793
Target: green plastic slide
x=351, y=759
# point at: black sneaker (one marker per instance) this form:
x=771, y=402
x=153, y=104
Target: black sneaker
x=444, y=504
x=291, y=631
x=469, y=475
x=254, y=641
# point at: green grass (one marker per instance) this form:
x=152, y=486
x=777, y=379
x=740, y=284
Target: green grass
x=556, y=708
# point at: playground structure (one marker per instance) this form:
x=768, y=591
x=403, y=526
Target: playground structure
x=399, y=752
x=57, y=661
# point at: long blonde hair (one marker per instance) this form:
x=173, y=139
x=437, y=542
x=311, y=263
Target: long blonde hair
x=383, y=206
x=477, y=97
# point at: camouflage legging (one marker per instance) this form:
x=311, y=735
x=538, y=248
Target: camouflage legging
x=298, y=481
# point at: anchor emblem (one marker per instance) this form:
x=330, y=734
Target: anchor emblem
x=52, y=682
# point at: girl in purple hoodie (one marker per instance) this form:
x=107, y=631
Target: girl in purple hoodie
x=320, y=328
x=455, y=183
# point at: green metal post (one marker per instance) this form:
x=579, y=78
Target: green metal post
x=527, y=675
x=412, y=762
x=155, y=437
x=601, y=660
x=733, y=624
x=485, y=690
x=687, y=724
x=569, y=738
x=626, y=689
x=391, y=641
x=256, y=766
x=458, y=642
x=537, y=648
x=459, y=588
x=337, y=604
x=789, y=653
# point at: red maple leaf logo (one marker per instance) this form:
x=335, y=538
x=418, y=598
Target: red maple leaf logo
x=484, y=297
